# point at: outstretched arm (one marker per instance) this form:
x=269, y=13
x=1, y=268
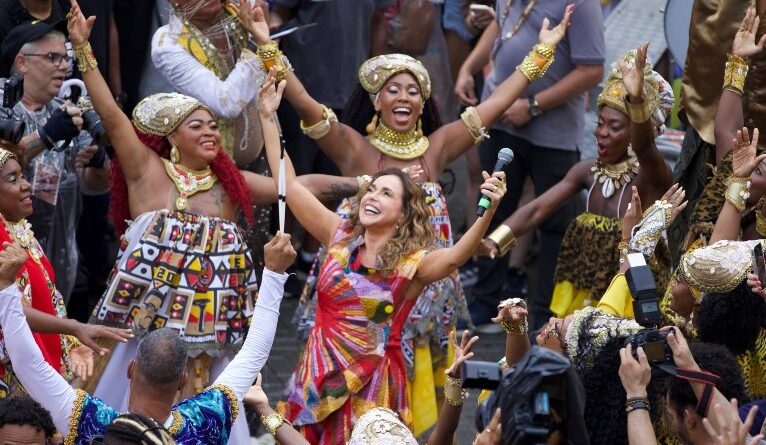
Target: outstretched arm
x=263, y=189
x=132, y=153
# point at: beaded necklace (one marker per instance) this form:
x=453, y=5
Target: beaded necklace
x=613, y=177
x=400, y=145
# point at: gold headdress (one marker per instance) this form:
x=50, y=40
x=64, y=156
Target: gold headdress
x=161, y=113
x=381, y=426
x=5, y=155
x=719, y=267
x=376, y=71
x=657, y=91
x=591, y=329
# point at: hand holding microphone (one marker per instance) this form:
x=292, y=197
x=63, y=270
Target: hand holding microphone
x=494, y=188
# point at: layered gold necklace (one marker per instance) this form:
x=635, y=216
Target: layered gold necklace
x=22, y=234
x=405, y=145
x=613, y=177
x=188, y=182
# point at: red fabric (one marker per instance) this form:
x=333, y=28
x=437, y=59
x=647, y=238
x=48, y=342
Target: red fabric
x=49, y=344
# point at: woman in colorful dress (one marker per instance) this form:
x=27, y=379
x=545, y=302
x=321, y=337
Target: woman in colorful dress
x=632, y=111
x=378, y=262
x=65, y=343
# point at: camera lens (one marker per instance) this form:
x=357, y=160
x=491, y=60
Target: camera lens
x=95, y=127
x=12, y=130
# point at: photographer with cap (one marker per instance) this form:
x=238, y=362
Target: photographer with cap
x=62, y=160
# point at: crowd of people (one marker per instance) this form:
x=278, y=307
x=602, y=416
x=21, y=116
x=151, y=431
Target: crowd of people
x=147, y=156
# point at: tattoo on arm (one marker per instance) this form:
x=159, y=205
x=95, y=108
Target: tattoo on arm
x=338, y=190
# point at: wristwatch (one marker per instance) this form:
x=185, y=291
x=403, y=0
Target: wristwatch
x=273, y=421
x=534, y=107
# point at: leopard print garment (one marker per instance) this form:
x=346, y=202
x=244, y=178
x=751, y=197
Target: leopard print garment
x=710, y=203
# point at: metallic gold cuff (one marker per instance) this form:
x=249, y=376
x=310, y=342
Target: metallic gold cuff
x=270, y=56
x=638, y=113
x=472, y=121
x=519, y=327
x=321, y=128
x=85, y=58
x=454, y=393
x=737, y=192
x=504, y=238
x=735, y=74
x=537, y=61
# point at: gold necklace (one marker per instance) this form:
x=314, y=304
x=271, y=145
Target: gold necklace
x=400, y=145
x=22, y=234
x=613, y=177
x=188, y=182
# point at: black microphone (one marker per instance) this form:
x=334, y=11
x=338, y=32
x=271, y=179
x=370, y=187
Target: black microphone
x=504, y=157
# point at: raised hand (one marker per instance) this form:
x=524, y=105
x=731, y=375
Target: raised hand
x=278, y=253
x=493, y=188
x=732, y=431
x=462, y=352
x=253, y=19
x=509, y=313
x=255, y=397
x=555, y=35
x=78, y=26
x=270, y=97
x=675, y=196
x=633, y=74
x=632, y=215
x=744, y=41
x=88, y=334
x=744, y=160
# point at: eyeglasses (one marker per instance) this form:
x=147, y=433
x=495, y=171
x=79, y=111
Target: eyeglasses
x=55, y=58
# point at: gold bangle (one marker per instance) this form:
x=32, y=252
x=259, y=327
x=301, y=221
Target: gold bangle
x=519, y=327
x=321, y=128
x=638, y=113
x=472, y=121
x=735, y=73
x=537, y=61
x=273, y=421
x=454, y=393
x=737, y=192
x=85, y=58
x=271, y=57
x=504, y=238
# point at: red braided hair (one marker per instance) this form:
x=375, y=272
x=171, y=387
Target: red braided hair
x=223, y=167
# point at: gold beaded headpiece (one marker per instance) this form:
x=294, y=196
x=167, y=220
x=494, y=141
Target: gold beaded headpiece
x=376, y=71
x=381, y=426
x=657, y=91
x=719, y=267
x=161, y=113
x=5, y=155
x=591, y=329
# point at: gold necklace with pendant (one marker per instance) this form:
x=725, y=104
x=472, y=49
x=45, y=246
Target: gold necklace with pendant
x=22, y=234
x=400, y=145
x=613, y=177
x=188, y=182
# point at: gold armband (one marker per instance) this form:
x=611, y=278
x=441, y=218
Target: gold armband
x=321, y=128
x=638, y=113
x=737, y=192
x=85, y=58
x=454, y=393
x=271, y=57
x=537, y=61
x=735, y=73
x=472, y=121
x=504, y=238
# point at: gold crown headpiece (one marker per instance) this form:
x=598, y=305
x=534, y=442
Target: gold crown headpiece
x=381, y=426
x=376, y=71
x=719, y=267
x=5, y=155
x=161, y=113
x=591, y=329
x=657, y=91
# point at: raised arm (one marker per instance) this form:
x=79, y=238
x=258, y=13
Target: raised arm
x=132, y=153
x=263, y=189
x=320, y=222
x=244, y=368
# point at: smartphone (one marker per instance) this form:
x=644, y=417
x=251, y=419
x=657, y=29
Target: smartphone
x=475, y=7
x=759, y=262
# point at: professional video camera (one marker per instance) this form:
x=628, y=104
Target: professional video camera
x=646, y=309
x=11, y=128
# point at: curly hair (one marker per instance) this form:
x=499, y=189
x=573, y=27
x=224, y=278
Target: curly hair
x=359, y=111
x=733, y=319
x=23, y=410
x=228, y=174
x=415, y=232
x=135, y=429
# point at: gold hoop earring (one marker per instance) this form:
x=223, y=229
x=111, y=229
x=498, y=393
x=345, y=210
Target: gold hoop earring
x=373, y=124
x=175, y=156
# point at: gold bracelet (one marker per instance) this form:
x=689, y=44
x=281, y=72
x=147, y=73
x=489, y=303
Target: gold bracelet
x=271, y=57
x=85, y=58
x=622, y=246
x=363, y=180
x=537, y=61
x=472, y=121
x=638, y=113
x=454, y=393
x=735, y=73
x=504, y=238
x=321, y=128
x=518, y=327
x=273, y=421
x=737, y=192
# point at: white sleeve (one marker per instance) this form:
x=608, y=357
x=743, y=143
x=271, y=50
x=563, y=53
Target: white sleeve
x=226, y=98
x=244, y=368
x=43, y=383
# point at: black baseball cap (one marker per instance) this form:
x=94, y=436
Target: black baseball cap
x=21, y=35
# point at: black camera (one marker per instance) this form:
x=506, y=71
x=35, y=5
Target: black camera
x=92, y=122
x=646, y=309
x=480, y=375
x=11, y=128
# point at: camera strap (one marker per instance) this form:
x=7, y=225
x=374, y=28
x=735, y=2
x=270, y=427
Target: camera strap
x=710, y=381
